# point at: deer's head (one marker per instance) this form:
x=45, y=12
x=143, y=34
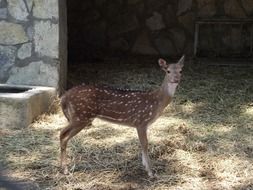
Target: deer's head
x=173, y=74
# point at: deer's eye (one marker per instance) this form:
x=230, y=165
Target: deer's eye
x=180, y=72
x=168, y=71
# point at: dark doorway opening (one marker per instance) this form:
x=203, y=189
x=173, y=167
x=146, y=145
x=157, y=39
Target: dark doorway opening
x=86, y=33
x=100, y=37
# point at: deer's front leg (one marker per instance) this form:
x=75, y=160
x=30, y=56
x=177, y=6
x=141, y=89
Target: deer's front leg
x=142, y=134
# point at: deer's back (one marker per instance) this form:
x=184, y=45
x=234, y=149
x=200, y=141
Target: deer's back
x=120, y=106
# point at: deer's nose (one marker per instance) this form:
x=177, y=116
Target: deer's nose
x=176, y=80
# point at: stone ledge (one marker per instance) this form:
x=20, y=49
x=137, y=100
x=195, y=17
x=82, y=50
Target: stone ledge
x=18, y=110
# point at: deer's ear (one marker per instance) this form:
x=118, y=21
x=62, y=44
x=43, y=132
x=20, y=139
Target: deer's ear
x=162, y=63
x=181, y=61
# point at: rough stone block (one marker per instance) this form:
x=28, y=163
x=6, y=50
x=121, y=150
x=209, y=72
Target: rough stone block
x=183, y=6
x=232, y=8
x=25, y=51
x=17, y=9
x=248, y=6
x=46, y=9
x=206, y=8
x=46, y=38
x=18, y=109
x=36, y=73
x=155, y=22
x=12, y=34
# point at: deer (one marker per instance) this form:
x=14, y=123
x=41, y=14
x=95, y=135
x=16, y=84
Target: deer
x=138, y=109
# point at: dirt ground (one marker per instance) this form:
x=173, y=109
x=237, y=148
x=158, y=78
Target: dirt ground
x=203, y=141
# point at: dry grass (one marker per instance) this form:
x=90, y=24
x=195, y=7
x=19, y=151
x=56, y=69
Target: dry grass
x=202, y=141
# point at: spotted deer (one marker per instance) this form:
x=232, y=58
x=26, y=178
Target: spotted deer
x=137, y=109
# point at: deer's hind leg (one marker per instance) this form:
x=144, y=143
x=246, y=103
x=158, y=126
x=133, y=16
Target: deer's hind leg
x=66, y=134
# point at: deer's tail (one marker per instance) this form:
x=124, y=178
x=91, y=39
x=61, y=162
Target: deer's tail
x=64, y=106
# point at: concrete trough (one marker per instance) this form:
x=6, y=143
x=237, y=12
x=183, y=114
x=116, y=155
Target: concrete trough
x=20, y=105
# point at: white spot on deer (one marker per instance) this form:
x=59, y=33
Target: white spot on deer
x=89, y=107
x=146, y=119
x=150, y=113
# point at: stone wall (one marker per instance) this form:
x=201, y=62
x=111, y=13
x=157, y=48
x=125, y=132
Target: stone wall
x=33, y=32
x=148, y=27
x=29, y=43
